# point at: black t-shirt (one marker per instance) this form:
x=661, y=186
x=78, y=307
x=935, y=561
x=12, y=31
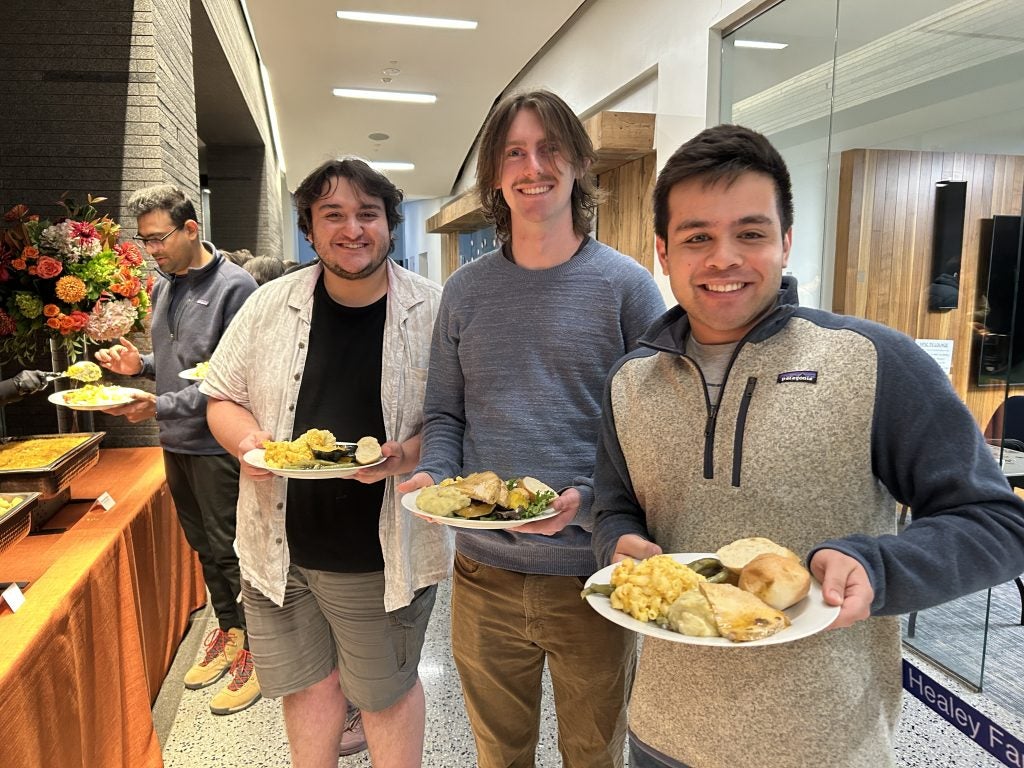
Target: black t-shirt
x=332, y=525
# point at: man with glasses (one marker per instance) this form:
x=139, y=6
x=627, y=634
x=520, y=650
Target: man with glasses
x=198, y=295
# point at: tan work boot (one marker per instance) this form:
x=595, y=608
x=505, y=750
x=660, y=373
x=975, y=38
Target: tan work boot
x=242, y=692
x=221, y=648
x=353, y=740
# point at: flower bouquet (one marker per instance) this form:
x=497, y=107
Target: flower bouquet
x=70, y=281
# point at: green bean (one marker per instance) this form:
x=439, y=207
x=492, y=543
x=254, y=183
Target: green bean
x=598, y=589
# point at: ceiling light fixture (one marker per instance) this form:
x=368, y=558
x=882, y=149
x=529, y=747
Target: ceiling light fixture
x=366, y=93
x=411, y=21
x=382, y=165
x=762, y=44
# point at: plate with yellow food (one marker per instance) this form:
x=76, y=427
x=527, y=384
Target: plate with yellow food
x=198, y=372
x=721, y=599
x=94, y=397
x=483, y=500
x=316, y=455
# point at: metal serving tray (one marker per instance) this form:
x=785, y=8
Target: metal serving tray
x=51, y=479
x=16, y=521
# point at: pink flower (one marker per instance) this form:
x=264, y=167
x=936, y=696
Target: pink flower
x=83, y=230
x=48, y=267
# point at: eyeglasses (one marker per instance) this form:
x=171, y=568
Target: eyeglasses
x=148, y=241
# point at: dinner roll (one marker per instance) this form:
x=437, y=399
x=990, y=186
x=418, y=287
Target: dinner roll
x=779, y=581
x=736, y=555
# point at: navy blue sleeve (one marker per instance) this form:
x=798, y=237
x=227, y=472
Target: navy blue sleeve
x=968, y=524
x=616, y=510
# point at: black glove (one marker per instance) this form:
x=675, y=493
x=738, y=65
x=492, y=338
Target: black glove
x=29, y=382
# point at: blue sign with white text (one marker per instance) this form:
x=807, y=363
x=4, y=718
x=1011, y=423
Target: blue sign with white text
x=1005, y=747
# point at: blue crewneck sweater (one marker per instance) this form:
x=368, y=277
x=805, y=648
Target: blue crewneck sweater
x=517, y=371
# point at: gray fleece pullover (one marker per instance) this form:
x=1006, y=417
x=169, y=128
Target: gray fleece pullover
x=190, y=314
x=823, y=421
x=517, y=367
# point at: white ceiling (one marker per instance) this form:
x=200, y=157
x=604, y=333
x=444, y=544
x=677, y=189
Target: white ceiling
x=308, y=52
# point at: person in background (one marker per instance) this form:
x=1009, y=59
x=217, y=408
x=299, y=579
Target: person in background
x=797, y=425
x=338, y=580
x=194, y=301
x=264, y=268
x=524, y=340
x=22, y=384
x=241, y=257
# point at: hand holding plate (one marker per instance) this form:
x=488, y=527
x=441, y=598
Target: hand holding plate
x=634, y=546
x=250, y=442
x=566, y=505
x=142, y=407
x=844, y=582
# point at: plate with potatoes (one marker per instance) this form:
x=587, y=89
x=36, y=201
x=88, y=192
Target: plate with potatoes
x=750, y=593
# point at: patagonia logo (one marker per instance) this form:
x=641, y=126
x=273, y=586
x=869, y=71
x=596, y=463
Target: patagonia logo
x=203, y=302
x=811, y=377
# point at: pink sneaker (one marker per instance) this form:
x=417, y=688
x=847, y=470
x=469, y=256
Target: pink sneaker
x=353, y=740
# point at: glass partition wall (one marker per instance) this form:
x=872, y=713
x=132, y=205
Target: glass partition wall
x=903, y=127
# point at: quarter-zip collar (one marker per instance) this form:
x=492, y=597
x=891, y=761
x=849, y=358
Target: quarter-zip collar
x=669, y=334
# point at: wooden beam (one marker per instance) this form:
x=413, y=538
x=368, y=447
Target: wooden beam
x=463, y=214
x=618, y=138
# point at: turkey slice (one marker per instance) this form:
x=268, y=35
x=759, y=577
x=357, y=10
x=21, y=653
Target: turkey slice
x=741, y=616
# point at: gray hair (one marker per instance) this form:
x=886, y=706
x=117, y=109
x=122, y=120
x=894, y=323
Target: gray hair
x=163, y=197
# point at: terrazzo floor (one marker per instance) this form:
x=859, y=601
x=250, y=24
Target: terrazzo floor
x=193, y=738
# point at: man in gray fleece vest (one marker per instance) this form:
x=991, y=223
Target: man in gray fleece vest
x=744, y=415
x=197, y=295
x=524, y=339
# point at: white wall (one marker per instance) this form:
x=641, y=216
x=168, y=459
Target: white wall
x=649, y=56
x=415, y=240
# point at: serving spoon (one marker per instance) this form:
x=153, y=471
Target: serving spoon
x=83, y=371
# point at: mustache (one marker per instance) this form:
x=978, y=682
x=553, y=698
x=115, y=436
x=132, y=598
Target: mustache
x=540, y=179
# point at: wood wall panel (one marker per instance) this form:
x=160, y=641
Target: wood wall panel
x=884, y=245
x=449, y=254
x=625, y=221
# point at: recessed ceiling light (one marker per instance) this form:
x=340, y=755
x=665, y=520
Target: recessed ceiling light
x=383, y=165
x=378, y=137
x=763, y=44
x=412, y=21
x=365, y=93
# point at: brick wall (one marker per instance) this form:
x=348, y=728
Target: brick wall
x=98, y=101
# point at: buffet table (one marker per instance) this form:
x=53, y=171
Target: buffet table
x=108, y=601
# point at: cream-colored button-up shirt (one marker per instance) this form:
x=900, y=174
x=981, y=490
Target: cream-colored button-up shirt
x=258, y=364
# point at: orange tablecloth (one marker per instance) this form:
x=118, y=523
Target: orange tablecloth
x=82, y=661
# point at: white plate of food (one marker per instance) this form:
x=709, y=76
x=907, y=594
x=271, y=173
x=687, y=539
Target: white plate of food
x=453, y=519
x=196, y=373
x=257, y=457
x=807, y=617
x=94, y=397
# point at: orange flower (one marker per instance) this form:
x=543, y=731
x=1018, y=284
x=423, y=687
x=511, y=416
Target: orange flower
x=70, y=289
x=51, y=310
x=18, y=263
x=53, y=322
x=30, y=252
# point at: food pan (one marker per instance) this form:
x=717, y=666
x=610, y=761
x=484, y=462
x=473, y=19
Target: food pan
x=50, y=479
x=16, y=521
